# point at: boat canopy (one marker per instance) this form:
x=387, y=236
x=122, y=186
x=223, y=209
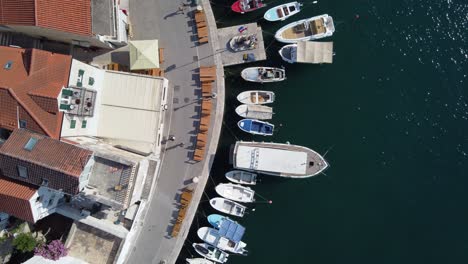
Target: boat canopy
x=314, y=52
x=231, y=230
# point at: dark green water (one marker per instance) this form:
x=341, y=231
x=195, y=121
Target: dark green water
x=392, y=113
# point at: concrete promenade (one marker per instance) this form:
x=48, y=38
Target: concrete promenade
x=160, y=19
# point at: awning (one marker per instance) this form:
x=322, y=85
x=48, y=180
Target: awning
x=231, y=230
x=314, y=52
x=144, y=54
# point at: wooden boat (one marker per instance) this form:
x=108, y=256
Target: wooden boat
x=228, y=237
x=282, y=12
x=263, y=74
x=228, y=207
x=256, y=127
x=256, y=97
x=306, y=29
x=242, y=177
x=211, y=252
x=198, y=261
x=243, y=42
x=242, y=6
x=255, y=111
x=308, y=52
x=236, y=192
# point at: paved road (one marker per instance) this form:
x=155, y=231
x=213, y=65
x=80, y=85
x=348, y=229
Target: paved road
x=159, y=19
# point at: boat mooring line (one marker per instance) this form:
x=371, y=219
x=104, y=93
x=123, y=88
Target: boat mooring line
x=232, y=133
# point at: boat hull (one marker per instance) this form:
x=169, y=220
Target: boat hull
x=278, y=13
x=236, y=192
x=256, y=74
x=244, y=177
x=210, y=252
x=261, y=97
x=276, y=159
x=212, y=237
x=329, y=29
x=215, y=220
x=236, y=7
x=228, y=207
x=288, y=49
x=256, y=127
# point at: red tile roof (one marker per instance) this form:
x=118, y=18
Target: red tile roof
x=49, y=153
x=73, y=16
x=14, y=199
x=29, y=89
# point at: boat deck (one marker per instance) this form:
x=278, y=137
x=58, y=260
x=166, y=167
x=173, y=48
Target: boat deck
x=230, y=57
x=288, y=161
x=315, y=27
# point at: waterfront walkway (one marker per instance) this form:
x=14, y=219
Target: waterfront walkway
x=176, y=32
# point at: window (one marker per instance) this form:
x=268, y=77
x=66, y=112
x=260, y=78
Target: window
x=83, y=124
x=72, y=123
x=45, y=182
x=22, y=123
x=22, y=171
x=8, y=65
x=91, y=81
x=79, y=82
x=30, y=144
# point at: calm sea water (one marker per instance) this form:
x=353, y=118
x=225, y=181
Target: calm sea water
x=391, y=115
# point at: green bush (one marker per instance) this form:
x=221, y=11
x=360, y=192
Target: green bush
x=24, y=242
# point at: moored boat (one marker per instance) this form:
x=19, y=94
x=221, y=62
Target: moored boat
x=255, y=111
x=227, y=238
x=263, y=74
x=308, y=52
x=243, y=42
x=215, y=220
x=284, y=160
x=242, y=177
x=282, y=12
x=198, y=261
x=211, y=252
x=306, y=29
x=256, y=97
x=256, y=127
x=236, y=192
x=228, y=207
x=242, y=6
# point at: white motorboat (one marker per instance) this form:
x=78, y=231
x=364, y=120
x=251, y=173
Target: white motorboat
x=284, y=160
x=282, y=12
x=255, y=111
x=243, y=42
x=211, y=252
x=242, y=177
x=198, y=261
x=236, y=192
x=263, y=74
x=256, y=97
x=227, y=238
x=306, y=29
x=308, y=52
x=228, y=207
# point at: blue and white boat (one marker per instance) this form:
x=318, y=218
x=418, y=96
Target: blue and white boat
x=256, y=127
x=281, y=12
x=216, y=219
x=227, y=238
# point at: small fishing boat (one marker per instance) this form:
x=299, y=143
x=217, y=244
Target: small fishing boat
x=263, y=74
x=255, y=111
x=308, y=52
x=281, y=12
x=210, y=252
x=306, y=29
x=216, y=219
x=198, y=261
x=243, y=42
x=227, y=238
x=242, y=177
x=236, y=192
x=256, y=97
x=228, y=207
x=242, y=6
x=256, y=127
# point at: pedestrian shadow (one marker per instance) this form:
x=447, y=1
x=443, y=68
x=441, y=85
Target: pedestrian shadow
x=171, y=14
x=170, y=68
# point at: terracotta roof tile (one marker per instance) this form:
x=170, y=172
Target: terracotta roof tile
x=14, y=199
x=49, y=153
x=73, y=16
x=32, y=73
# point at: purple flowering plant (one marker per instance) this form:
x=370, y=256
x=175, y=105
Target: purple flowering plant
x=54, y=250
